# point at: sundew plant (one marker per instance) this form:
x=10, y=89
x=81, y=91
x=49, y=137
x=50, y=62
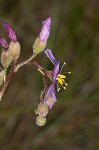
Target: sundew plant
x=53, y=80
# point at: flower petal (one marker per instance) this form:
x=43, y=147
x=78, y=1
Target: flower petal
x=3, y=43
x=50, y=89
x=10, y=31
x=45, y=30
x=49, y=54
x=54, y=96
x=55, y=72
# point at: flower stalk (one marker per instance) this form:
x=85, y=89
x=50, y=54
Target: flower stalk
x=9, y=57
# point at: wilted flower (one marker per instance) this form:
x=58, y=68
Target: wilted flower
x=42, y=109
x=41, y=41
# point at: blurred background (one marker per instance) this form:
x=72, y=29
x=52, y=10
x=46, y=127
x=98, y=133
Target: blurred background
x=73, y=123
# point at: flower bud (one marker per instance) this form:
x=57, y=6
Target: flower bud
x=42, y=109
x=41, y=41
x=38, y=46
x=14, y=49
x=6, y=59
x=10, y=31
x=36, y=111
x=2, y=74
x=40, y=121
x=45, y=30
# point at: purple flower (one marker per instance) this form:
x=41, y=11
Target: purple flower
x=50, y=97
x=45, y=30
x=10, y=31
x=3, y=43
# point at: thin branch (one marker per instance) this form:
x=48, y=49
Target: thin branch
x=15, y=69
x=24, y=62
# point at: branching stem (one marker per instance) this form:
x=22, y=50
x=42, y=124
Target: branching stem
x=15, y=68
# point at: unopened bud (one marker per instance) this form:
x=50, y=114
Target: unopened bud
x=14, y=49
x=36, y=111
x=42, y=110
x=38, y=46
x=2, y=74
x=5, y=59
x=41, y=41
x=10, y=31
x=40, y=121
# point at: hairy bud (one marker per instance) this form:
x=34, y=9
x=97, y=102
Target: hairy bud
x=40, y=121
x=14, y=49
x=2, y=74
x=38, y=46
x=42, y=109
x=41, y=41
x=6, y=59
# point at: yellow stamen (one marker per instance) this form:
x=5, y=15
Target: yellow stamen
x=64, y=88
x=69, y=72
x=62, y=76
x=60, y=80
x=58, y=89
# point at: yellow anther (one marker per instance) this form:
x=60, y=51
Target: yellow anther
x=62, y=76
x=65, y=83
x=64, y=88
x=69, y=72
x=60, y=81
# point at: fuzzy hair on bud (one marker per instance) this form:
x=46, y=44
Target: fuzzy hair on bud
x=38, y=46
x=42, y=109
x=14, y=49
x=40, y=121
x=2, y=74
x=6, y=59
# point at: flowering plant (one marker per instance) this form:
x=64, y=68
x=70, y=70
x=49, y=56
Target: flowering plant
x=9, y=56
